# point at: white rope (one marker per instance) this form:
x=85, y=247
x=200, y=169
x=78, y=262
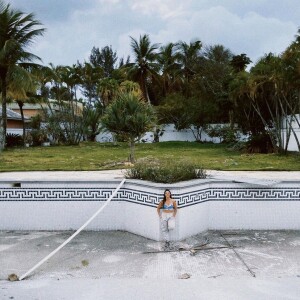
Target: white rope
x=77, y=232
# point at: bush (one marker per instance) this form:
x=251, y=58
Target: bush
x=165, y=173
x=39, y=136
x=260, y=144
x=225, y=133
x=14, y=140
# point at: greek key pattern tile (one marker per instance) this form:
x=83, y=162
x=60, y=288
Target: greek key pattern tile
x=235, y=194
x=54, y=194
x=147, y=198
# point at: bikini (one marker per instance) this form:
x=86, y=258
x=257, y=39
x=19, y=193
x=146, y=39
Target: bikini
x=168, y=207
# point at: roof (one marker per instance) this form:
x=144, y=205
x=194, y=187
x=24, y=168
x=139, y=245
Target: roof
x=11, y=115
x=38, y=106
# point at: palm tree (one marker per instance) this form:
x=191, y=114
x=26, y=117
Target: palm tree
x=17, y=31
x=145, y=68
x=212, y=78
x=19, y=89
x=167, y=58
x=91, y=119
x=107, y=89
x=128, y=86
x=188, y=55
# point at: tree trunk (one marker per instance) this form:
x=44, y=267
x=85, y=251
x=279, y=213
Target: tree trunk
x=231, y=121
x=196, y=135
x=2, y=142
x=21, y=104
x=131, y=155
x=145, y=91
x=3, y=122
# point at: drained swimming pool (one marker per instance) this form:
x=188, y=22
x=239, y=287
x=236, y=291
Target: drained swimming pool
x=203, y=205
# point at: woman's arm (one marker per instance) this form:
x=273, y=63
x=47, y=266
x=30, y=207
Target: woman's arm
x=175, y=208
x=158, y=208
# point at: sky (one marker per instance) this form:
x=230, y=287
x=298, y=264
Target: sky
x=74, y=27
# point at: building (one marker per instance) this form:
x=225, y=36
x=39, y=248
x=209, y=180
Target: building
x=31, y=109
x=14, y=121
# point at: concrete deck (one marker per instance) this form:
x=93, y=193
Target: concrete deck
x=118, y=174
x=112, y=265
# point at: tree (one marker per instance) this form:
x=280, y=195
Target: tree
x=291, y=63
x=266, y=98
x=188, y=58
x=128, y=86
x=215, y=69
x=64, y=121
x=91, y=119
x=245, y=115
x=167, y=59
x=129, y=117
x=172, y=110
x=17, y=31
x=145, y=68
x=22, y=84
x=213, y=73
x=107, y=89
x=64, y=116
x=240, y=62
x=71, y=77
x=265, y=90
x=193, y=113
x=105, y=58
x=90, y=76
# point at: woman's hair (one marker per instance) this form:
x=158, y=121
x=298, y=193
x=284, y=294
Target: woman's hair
x=164, y=200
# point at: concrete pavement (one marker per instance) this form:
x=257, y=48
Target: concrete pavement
x=117, y=174
x=112, y=265
x=62, y=175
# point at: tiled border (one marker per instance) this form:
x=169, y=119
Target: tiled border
x=149, y=196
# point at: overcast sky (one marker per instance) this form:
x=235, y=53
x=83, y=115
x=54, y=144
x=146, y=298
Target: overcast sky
x=254, y=27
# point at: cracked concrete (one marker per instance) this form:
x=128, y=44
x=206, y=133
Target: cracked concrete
x=98, y=262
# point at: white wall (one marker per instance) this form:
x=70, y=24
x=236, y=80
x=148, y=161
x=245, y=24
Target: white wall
x=292, y=146
x=171, y=134
x=15, y=131
x=203, y=205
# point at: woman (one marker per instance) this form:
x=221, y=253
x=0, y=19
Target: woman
x=167, y=209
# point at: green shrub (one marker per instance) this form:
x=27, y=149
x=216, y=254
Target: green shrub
x=39, y=136
x=165, y=173
x=225, y=133
x=14, y=140
x=261, y=143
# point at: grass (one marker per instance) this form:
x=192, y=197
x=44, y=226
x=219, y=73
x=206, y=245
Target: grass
x=102, y=156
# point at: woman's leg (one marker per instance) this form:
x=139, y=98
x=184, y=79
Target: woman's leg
x=164, y=228
x=171, y=223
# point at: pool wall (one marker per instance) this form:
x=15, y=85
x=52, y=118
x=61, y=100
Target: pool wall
x=203, y=205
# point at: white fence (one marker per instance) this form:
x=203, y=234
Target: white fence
x=171, y=134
